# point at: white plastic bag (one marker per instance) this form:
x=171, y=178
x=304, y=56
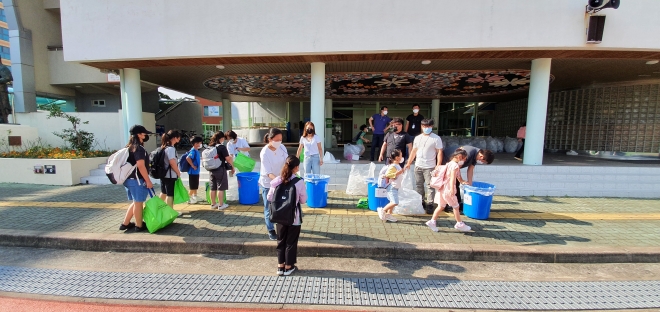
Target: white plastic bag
x=491, y=144
x=351, y=152
x=510, y=145
x=357, y=184
x=410, y=202
x=232, y=192
x=329, y=159
x=479, y=143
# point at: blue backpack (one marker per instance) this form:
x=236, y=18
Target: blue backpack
x=184, y=166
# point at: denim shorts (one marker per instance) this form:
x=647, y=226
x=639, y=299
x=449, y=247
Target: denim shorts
x=136, y=192
x=393, y=194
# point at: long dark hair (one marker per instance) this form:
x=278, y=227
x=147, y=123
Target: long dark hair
x=166, y=140
x=273, y=132
x=394, y=154
x=133, y=143
x=287, y=171
x=215, y=139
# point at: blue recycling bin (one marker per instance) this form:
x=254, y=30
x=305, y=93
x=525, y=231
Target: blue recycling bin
x=317, y=190
x=248, y=188
x=477, y=199
x=375, y=202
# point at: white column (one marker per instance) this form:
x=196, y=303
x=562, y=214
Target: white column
x=124, y=111
x=317, y=99
x=328, y=131
x=537, y=108
x=131, y=93
x=226, y=115
x=435, y=112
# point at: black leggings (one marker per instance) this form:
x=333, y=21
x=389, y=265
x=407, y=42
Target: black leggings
x=287, y=243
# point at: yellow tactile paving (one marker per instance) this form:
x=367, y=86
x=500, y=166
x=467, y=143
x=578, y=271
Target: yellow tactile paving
x=354, y=212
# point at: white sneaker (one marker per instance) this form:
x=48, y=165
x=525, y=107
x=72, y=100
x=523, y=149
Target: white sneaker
x=193, y=200
x=214, y=206
x=390, y=218
x=224, y=206
x=431, y=224
x=380, y=213
x=461, y=226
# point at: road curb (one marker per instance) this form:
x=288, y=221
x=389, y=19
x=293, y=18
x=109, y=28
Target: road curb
x=328, y=248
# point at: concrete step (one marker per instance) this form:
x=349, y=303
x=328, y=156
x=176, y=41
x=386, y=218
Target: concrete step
x=97, y=172
x=95, y=179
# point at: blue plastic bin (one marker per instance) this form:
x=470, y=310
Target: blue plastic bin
x=477, y=199
x=375, y=202
x=248, y=188
x=317, y=190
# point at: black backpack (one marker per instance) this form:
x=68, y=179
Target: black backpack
x=283, y=207
x=158, y=165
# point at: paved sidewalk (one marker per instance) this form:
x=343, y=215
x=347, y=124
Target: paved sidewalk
x=515, y=221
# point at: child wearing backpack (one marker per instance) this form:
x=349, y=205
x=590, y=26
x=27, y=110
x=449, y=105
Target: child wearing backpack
x=360, y=139
x=287, y=235
x=446, y=194
x=216, y=164
x=393, y=173
x=193, y=158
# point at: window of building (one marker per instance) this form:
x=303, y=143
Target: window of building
x=4, y=34
x=98, y=103
x=2, y=15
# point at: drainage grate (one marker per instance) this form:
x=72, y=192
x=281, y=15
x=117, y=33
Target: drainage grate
x=424, y=293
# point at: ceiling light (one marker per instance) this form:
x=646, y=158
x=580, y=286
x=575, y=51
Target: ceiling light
x=652, y=62
x=426, y=62
x=644, y=75
x=220, y=66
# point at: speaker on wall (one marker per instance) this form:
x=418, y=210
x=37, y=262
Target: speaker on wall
x=595, y=29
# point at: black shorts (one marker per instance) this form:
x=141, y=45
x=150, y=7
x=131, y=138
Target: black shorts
x=167, y=186
x=193, y=181
x=218, y=180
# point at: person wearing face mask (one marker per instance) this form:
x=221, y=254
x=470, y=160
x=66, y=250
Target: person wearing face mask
x=236, y=145
x=379, y=124
x=273, y=157
x=414, y=122
x=427, y=154
x=138, y=183
x=398, y=139
x=446, y=193
x=218, y=180
x=313, y=150
x=169, y=140
x=474, y=156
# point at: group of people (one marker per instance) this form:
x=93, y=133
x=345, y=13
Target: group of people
x=278, y=168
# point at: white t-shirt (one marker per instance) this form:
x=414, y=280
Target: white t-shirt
x=271, y=162
x=233, y=147
x=427, y=153
x=311, y=147
x=170, y=153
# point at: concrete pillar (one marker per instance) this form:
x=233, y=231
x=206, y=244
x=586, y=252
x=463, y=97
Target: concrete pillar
x=537, y=108
x=226, y=115
x=435, y=112
x=328, y=131
x=22, y=60
x=131, y=95
x=317, y=99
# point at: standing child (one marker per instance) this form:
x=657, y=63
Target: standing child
x=218, y=180
x=446, y=195
x=193, y=159
x=393, y=173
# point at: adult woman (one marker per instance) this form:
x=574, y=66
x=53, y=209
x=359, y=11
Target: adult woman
x=237, y=145
x=138, y=183
x=168, y=140
x=313, y=151
x=273, y=156
x=288, y=235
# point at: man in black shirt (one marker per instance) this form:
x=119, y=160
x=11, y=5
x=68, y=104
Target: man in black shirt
x=414, y=122
x=397, y=139
x=475, y=156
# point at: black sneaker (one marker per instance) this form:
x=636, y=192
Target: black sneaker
x=280, y=271
x=127, y=227
x=272, y=235
x=140, y=229
x=290, y=270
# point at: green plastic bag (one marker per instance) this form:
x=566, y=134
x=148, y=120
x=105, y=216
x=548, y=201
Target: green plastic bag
x=243, y=163
x=157, y=214
x=363, y=203
x=302, y=155
x=208, y=193
x=180, y=192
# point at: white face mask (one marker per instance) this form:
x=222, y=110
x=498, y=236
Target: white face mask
x=460, y=163
x=415, y=111
x=427, y=130
x=384, y=112
x=401, y=161
x=480, y=162
x=275, y=144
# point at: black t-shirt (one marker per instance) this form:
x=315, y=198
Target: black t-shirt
x=223, y=153
x=133, y=157
x=397, y=141
x=415, y=124
x=471, y=155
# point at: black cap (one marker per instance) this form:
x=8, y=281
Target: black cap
x=137, y=129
